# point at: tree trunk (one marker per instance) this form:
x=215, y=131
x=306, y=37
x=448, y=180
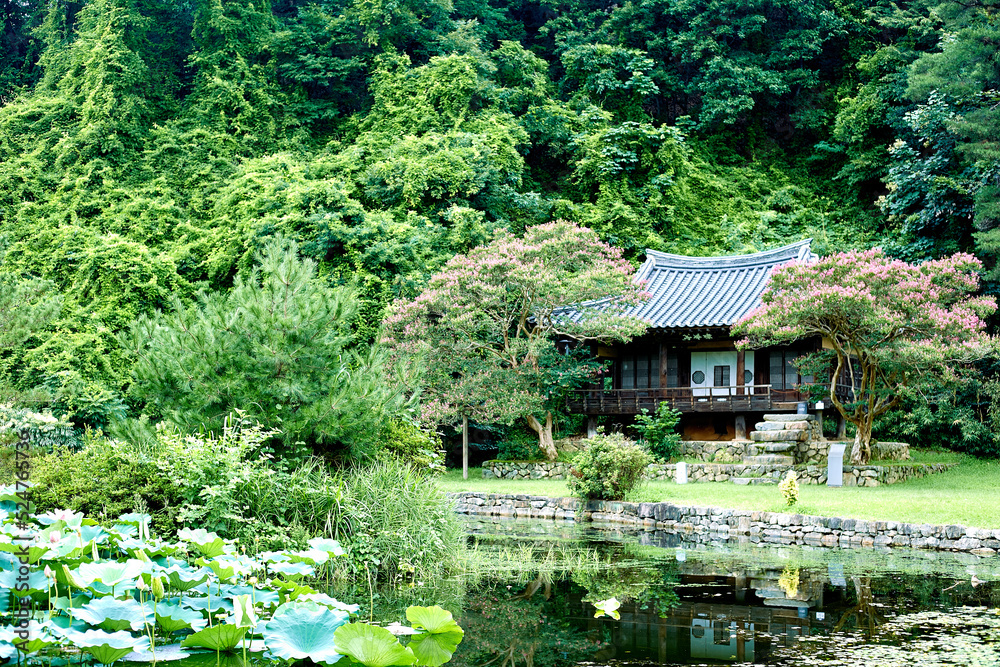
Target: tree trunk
x=465, y=447
x=545, y=441
x=861, y=452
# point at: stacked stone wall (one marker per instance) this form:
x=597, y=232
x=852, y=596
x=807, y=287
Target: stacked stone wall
x=714, y=523
x=724, y=472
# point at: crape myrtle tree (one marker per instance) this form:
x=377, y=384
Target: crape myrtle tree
x=493, y=331
x=891, y=325
x=278, y=347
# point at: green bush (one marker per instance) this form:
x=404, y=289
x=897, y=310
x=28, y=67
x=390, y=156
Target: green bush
x=658, y=431
x=412, y=444
x=609, y=468
x=104, y=480
x=519, y=444
x=395, y=520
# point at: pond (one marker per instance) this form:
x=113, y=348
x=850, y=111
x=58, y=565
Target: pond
x=727, y=603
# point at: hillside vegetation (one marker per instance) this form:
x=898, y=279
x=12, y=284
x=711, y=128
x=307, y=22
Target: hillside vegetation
x=151, y=149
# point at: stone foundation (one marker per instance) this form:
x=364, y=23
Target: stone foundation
x=724, y=472
x=713, y=523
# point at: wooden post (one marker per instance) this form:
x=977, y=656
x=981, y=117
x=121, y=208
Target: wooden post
x=465, y=447
x=741, y=427
x=591, y=426
x=741, y=367
x=841, y=426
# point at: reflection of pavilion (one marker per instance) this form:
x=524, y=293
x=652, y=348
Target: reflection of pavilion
x=751, y=613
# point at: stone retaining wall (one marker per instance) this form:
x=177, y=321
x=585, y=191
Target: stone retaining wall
x=853, y=475
x=713, y=523
x=723, y=472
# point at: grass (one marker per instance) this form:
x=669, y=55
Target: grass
x=968, y=494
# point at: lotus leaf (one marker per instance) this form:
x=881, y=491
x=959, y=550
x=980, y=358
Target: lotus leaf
x=111, y=573
x=244, y=613
x=607, y=607
x=208, y=602
x=327, y=601
x=39, y=636
x=435, y=649
x=433, y=620
x=37, y=583
x=106, y=647
x=292, y=570
x=299, y=632
x=372, y=646
x=220, y=637
x=332, y=547
x=184, y=577
x=112, y=614
x=172, y=617
x=7, y=651
x=208, y=544
x=311, y=556
x=260, y=595
x=298, y=605
x=292, y=589
x=275, y=557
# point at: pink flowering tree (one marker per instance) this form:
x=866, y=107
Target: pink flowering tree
x=886, y=325
x=494, y=332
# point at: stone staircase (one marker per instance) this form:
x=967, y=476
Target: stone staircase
x=775, y=442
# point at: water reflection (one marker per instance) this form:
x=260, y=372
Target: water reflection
x=684, y=605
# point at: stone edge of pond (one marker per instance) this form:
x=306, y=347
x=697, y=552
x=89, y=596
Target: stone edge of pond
x=769, y=527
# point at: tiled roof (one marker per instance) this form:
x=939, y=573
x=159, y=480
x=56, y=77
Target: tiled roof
x=708, y=291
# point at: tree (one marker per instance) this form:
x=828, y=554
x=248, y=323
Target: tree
x=890, y=324
x=277, y=347
x=26, y=304
x=487, y=325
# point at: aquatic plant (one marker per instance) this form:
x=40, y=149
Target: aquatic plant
x=118, y=589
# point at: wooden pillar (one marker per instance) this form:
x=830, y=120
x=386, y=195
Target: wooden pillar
x=591, y=426
x=741, y=367
x=841, y=426
x=741, y=427
x=465, y=448
x=663, y=367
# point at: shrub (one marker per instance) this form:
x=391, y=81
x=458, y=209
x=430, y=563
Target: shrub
x=519, y=445
x=41, y=429
x=394, y=519
x=659, y=431
x=789, y=488
x=103, y=480
x=412, y=444
x=609, y=468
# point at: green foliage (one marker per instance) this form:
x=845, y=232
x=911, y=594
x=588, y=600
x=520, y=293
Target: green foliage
x=659, y=431
x=395, y=521
x=277, y=346
x=419, y=447
x=41, y=430
x=104, y=480
x=609, y=468
x=789, y=488
x=518, y=444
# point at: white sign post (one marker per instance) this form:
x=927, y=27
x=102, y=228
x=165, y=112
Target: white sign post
x=682, y=473
x=835, y=465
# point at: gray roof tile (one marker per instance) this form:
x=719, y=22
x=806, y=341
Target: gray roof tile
x=708, y=291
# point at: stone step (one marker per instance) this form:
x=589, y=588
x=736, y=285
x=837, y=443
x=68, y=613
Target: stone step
x=770, y=459
x=746, y=481
x=774, y=447
x=780, y=436
x=782, y=426
x=789, y=418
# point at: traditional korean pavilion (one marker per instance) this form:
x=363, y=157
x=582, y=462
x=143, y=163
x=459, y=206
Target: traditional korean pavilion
x=687, y=356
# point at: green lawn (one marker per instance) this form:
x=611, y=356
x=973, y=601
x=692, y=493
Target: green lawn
x=968, y=494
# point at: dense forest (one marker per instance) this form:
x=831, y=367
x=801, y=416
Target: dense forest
x=149, y=149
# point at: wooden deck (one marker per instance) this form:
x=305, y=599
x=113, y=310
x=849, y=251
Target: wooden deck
x=746, y=398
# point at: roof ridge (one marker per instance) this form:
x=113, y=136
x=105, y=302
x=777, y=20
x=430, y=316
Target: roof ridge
x=772, y=256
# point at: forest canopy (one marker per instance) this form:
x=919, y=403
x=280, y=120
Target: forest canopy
x=151, y=149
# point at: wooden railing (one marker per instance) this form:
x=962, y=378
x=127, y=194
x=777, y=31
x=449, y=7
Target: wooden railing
x=741, y=398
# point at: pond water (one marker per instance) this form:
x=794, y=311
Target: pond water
x=724, y=603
